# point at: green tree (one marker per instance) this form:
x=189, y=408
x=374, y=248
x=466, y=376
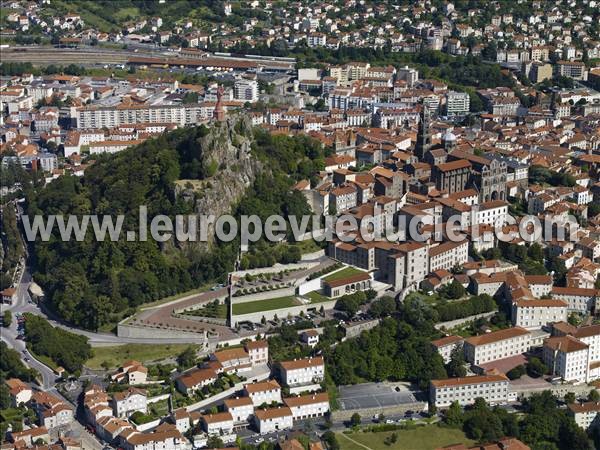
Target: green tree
x=355, y=419
x=570, y=397
x=6, y=319
x=454, y=290
x=536, y=368
x=453, y=416
x=516, y=372
x=594, y=396
x=187, y=358
x=456, y=365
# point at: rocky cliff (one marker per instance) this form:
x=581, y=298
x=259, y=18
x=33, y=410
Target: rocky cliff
x=230, y=168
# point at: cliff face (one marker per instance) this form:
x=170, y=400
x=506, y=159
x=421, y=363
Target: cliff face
x=225, y=152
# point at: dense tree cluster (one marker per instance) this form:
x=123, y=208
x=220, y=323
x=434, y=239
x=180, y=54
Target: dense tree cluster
x=398, y=349
x=92, y=283
x=11, y=365
x=12, y=249
x=544, y=426
x=530, y=259
x=457, y=310
x=66, y=349
x=542, y=175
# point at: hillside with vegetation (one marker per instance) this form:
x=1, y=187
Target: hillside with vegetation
x=227, y=168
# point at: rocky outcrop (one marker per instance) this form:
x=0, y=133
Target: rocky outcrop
x=225, y=152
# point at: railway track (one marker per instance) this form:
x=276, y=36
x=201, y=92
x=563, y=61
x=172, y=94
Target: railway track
x=51, y=55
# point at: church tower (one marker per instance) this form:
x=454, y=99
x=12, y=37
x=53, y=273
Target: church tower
x=423, y=136
x=219, y=111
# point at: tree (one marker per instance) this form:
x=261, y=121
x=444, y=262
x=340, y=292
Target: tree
x=6, y=319
x=355, y=419
x=536, y=368
x=215, y=441
x=187, y=358
x=383, y=306
x=516, y=372
x=594, y=396
x=453, y=416
x=570, y=397
x=331, y=441
x=454, y=290
x=456, y=365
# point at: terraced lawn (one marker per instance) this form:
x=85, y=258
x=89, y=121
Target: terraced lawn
x=344, y=273
x=264, y=305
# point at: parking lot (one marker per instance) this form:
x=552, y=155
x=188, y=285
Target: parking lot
x=374, y=395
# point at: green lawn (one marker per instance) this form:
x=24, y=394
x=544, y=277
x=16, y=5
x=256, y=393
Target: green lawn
x=116, y=355
x=344, y=273
x=162, y=301
x=316, y=297
x=428, y=437
x=307, y=246
x=264, y=305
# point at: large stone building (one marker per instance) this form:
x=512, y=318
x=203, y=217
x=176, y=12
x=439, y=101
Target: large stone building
x=452, y=176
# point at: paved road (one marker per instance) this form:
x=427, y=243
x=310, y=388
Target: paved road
x=9, y=335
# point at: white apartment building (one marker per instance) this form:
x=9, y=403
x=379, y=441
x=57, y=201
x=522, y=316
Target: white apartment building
x=578, y=299
x=590, y=335
x=110, y=117
x=160, y=439
x=273, y=419
x=491, y=212
x=343, y=197
x=497, y=345
x=536, y=313
x=585, y=414
x=446, y=345
x=448, y=255
x=51, y=411
x=567, y=357
x=302, y=371
x=310, y=337
x=572, y=69
x=316, y=39
x=258, y=351
x=494, y=389
x=195, y=379
x=19, y=391
x=129, y=401
x=240, y=408
x=217, y=424
x=308, y=406
x=263, y=392
x=457, y=103
x=245, y=90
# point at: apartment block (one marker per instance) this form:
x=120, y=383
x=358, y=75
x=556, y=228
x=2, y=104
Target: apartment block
x=494, y=389
x=536, y=313
x=240, y=408
x=301, y=372
x=127, y=402
x=273, y=419
x=263, y=392
x=585, y=414
x=217, y=424
x=446, y=345
x=497, y=345
x=308, y=406
x=567, y=357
